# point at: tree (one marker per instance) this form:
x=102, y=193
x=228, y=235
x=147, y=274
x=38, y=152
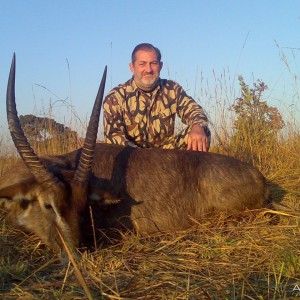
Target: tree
x=46, y=134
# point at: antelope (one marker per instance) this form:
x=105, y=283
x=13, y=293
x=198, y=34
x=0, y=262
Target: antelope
x=146, y=190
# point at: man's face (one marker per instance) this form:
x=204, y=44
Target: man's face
x=146, y=69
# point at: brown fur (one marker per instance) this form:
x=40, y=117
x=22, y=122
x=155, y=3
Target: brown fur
x=151, y=190
x=162, y=190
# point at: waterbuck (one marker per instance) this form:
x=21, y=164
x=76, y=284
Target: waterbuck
x=149, y=190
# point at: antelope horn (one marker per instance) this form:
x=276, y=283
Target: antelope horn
x=87, y=152
x=29, y=157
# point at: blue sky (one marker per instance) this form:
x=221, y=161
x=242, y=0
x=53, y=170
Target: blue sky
x=64, y=46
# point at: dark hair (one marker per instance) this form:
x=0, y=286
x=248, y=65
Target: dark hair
x=146, y=47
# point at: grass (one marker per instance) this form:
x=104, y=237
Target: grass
x=211, y=260
x=253, y=260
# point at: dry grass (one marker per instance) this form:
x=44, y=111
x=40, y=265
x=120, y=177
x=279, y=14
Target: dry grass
x=253, y=260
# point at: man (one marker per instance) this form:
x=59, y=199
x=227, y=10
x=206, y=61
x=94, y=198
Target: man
x=141, y=112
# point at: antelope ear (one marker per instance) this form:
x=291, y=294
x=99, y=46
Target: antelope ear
x=18, y=190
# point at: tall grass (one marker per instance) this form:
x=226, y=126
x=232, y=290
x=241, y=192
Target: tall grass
x=252, y=260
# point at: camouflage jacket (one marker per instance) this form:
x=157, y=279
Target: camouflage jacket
x=148, y=119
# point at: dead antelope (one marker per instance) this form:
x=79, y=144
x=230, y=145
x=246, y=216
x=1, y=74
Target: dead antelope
x=152, y=189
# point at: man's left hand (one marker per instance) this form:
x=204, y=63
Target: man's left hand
x=197, y=139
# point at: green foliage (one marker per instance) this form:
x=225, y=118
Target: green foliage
x=257, y=124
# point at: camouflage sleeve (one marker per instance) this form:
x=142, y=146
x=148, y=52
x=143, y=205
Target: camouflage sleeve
x=114, y=129
x=189, y=111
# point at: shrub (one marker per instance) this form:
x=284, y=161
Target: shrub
x=256, y=125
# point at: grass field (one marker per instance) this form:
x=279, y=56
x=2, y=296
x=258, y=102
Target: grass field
x=252, y=260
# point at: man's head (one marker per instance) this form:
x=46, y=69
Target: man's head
x=145, y=66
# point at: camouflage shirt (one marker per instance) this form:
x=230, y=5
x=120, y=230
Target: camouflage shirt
x=148, y=119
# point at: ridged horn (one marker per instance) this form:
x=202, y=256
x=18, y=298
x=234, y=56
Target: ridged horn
x=31, y=160
x=87, y=152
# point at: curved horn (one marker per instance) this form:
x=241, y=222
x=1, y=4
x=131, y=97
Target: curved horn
x=29, y=157
x=87, y=153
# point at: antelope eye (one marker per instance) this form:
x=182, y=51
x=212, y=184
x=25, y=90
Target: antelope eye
x=48, y=206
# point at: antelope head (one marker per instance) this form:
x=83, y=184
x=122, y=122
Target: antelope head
x=47, y=196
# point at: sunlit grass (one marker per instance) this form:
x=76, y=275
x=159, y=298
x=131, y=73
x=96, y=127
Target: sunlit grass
x=252, y=260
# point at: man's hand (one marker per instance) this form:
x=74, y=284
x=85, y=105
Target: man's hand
x=197, y=139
